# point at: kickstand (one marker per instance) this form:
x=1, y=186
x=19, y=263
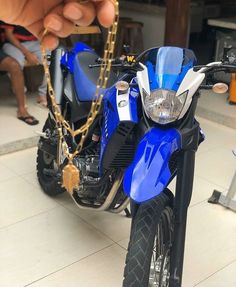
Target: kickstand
x=127, y=213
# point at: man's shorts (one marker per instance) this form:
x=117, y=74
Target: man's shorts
x=2, y=55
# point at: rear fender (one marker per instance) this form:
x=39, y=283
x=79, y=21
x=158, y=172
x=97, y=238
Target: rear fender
x=149, y=174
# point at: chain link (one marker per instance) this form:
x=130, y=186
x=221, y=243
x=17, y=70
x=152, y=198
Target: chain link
x=62, y=124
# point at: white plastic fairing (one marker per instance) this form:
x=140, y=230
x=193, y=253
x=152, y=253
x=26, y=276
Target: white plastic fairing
x=143, y=81
x=123, y=105
x=190, y=83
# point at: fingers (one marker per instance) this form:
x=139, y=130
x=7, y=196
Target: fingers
x=56, y=23
x=80, y=14
x=50, y=41
x=61, y=20
x=105, y=11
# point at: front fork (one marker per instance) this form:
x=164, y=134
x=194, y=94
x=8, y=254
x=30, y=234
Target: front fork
x=184, y=187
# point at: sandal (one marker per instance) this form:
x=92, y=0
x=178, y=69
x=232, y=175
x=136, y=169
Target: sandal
x=30, y=120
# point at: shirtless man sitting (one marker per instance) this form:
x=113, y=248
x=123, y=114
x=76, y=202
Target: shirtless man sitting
x=11, y=66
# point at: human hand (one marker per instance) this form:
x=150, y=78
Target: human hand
x=31, y=58
x=57, y=16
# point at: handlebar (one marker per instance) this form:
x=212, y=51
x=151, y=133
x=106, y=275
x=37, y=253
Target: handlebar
x=119, y=63
x=216, y=67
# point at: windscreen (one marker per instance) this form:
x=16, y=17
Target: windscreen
x=167, y=66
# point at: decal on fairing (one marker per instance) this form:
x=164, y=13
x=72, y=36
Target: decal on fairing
x=149, y=174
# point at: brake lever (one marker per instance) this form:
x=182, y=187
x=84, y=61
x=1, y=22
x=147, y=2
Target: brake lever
x=206, y=87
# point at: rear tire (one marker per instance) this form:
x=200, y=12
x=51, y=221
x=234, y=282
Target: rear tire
x=148, y=257
x=49, y=184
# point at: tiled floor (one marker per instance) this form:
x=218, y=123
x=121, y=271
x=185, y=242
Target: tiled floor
x=215, y=107
x=15, y=134
x=49, y=242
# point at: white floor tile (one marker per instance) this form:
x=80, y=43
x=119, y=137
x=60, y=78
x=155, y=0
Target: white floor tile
x=216, y=135
x=103, y=269
x=216, y=166
x=225, y=277
x=21, y=162
x=115, y=226
x=32, y=178
x=6, y=173
x=210, y=244
x=16, y=130
x=44, y=244
x=202, y=189
x=124, y=243
x=21, y=200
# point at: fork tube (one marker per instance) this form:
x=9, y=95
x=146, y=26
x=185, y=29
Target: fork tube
x=183, y=196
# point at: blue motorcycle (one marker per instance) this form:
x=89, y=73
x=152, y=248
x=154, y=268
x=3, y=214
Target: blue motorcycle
x=145, y=135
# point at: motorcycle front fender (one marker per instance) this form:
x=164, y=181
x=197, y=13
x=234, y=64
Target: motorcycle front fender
x=149, y=173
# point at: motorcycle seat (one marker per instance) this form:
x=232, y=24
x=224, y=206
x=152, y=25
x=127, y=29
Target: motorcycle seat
x=85, y=78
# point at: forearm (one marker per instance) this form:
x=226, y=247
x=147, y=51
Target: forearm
x=14, y=41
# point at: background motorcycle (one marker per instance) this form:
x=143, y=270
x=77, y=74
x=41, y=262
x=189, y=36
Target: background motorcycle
x=145, y=135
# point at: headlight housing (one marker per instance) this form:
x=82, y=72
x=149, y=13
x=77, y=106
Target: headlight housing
x=163, y=106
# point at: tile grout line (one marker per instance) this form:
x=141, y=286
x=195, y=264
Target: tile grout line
x=219, y=270
x=121, y=245
x=28, y=218
x=88, y=223
x=73, y=263
x=211, y=182
x=198, y=203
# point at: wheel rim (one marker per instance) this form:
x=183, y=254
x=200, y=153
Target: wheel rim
x=160, y=262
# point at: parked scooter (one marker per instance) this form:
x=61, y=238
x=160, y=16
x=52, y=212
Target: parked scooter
x=145, y=135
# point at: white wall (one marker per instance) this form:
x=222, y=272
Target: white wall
x=154, y=26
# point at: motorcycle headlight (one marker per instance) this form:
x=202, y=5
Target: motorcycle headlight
x=163, y=106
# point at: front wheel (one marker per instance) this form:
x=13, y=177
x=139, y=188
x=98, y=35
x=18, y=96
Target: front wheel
x=47, y=166
x=148, y=257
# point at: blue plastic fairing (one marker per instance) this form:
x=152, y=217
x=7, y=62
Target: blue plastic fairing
x=149, y=174
x=110, y=118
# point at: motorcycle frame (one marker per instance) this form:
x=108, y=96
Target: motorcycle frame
x=190, y=131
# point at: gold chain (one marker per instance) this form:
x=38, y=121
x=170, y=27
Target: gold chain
x=70, y=172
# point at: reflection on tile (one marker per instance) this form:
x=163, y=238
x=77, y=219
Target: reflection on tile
x=21, y=200
x=124, y=243
x=43, y=244
x=103, y=269
x=32, y=178
x=115, y=226
x=216, y=166
x=202, y=190
x=21, y=162
x=225, y=277
x=216, y=135
x=6, y=173
x=16, y=131
x=210, y=245
x=214, y=107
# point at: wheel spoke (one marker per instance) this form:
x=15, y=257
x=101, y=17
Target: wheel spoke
x=159, y=269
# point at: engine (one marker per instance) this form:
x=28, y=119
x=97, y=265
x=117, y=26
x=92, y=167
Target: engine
x=89, y=168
